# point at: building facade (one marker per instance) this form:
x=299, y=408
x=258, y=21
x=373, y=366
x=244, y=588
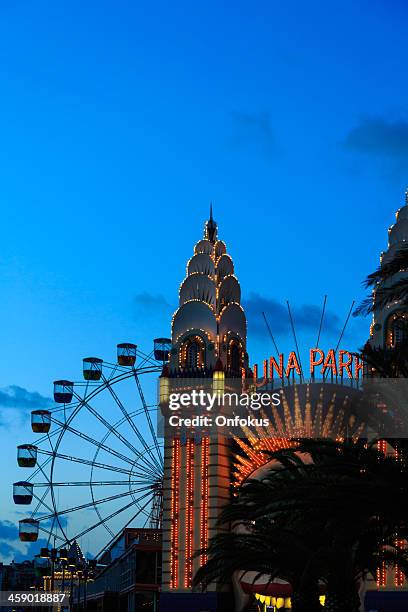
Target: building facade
x=23, y=576
x=131, y=578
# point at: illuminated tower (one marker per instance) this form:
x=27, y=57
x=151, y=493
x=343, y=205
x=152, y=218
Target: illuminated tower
x=208, y=342
x=385, y=329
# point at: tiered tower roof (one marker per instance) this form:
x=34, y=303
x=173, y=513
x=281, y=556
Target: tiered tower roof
x=210, y=296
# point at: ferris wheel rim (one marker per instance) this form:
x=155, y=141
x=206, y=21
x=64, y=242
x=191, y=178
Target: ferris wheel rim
x=118, y=374
x=102, y=386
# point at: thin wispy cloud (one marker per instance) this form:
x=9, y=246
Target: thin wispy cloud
x=305, y=317
x=16, y=402
x=253, y=132
x=149, y=307
x=378, y=136
x=147, y=301
x=16, y=397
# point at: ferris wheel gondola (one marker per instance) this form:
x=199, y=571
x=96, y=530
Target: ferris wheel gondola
x=96, y=464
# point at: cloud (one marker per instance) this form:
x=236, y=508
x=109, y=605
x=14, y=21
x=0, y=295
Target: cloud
x=148, y=307
x=306, y=317
x=147, y=301
x=49, y=523
x=8, y=551
x=8, y=530
x=253, y=131
x=8, y=540
x=18, y=397
x=11, y=547
x=379, y=137
x=31, y=551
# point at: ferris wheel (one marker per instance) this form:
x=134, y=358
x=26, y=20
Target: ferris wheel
x=96, y=462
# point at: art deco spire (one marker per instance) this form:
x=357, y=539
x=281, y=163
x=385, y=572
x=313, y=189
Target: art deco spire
x=210, y=230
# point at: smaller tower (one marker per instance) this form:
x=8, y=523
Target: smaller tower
x=386, y=330
x=208, y=346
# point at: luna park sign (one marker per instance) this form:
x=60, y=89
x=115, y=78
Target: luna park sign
x=343, y=364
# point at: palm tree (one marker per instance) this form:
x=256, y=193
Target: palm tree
x=387, y=362
x=385, y=289
x=267, y=548
x=329, y=514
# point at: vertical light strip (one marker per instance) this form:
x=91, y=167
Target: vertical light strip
x=382, y=446
x=175, y=502
x=382, y=575
x=382, y=570
x=205, y=443
x=399, y=577
x=188, y=570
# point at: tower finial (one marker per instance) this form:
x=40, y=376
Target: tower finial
x=210, y=228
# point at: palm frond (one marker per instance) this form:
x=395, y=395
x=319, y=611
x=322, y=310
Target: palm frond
x=387, y=362
x=321, y=513
x=382, y=297
x=387, y=270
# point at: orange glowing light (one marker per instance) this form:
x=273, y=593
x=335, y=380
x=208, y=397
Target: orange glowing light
x=174, y=528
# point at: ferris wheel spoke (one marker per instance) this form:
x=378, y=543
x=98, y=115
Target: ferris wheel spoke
x=149, y=420
x=93, y=503
x=39, y=469
x=98, y=444
x=52, y=529
x=132, y=424
x=51, y=534
x=49, y=489
x=151, y=470
x=114, y=431
x=86, y=483
x=132, y=518
x=114, y=368
x=41, y=500
x=119, y=511
x=146, y=358
x=103, y=466
x=145, y=523
x=46, y=437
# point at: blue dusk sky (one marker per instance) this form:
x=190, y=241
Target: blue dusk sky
x=120, y=121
